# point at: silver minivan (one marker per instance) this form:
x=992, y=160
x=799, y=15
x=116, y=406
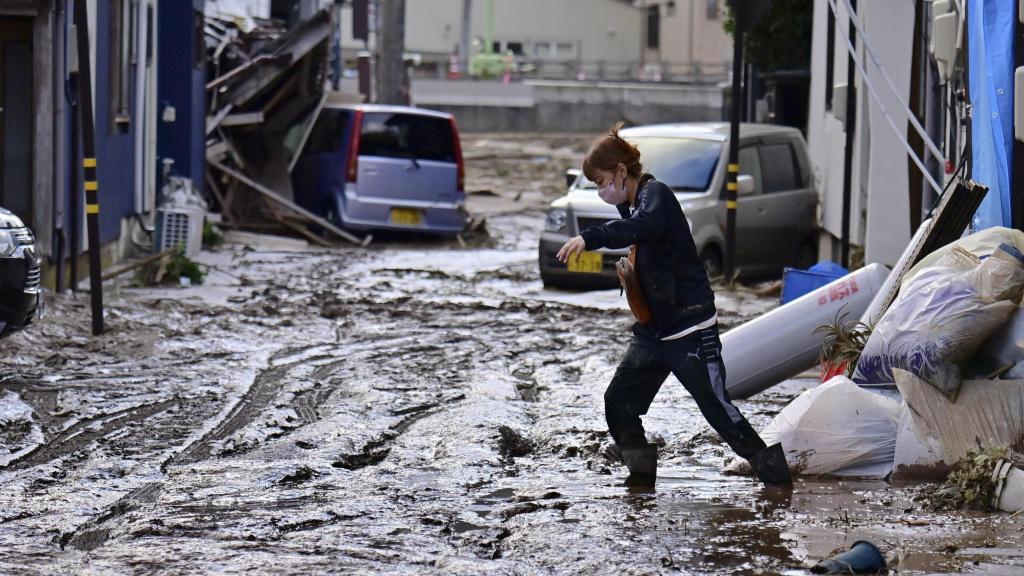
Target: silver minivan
x=375, y=167
x=776, y=216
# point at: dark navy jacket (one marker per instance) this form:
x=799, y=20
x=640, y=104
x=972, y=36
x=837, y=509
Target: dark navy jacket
x=669, y=269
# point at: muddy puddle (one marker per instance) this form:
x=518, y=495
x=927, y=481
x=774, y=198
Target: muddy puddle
x=414, y=408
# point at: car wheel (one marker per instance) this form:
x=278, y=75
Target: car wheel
x=548, y=281
x=711, y=258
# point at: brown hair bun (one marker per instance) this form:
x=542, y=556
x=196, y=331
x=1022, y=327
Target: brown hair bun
x=609, y=150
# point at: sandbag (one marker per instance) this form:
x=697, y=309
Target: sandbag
x=941, y=317
x=836, y=429
x=982, y=244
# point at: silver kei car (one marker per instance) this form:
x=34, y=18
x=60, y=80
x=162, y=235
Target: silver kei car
x=776, y=216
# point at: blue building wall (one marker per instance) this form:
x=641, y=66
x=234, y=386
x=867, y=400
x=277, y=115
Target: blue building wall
x=115, y=159
x=115, y=165
x=181, y=83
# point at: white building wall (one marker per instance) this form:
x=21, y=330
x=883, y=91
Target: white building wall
x=880, y=203
x=886, y=28
x=826, y=136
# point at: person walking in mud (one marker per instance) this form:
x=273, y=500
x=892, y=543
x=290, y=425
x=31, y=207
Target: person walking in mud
x=677, y=323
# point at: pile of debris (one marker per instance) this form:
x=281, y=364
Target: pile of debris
x=267, y=85
x=938, y=381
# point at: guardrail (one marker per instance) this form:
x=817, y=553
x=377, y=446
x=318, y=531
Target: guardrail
x=605, y=70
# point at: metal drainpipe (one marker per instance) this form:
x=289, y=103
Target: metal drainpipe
x=139, y=119
x=851, y=126
x=60, y=160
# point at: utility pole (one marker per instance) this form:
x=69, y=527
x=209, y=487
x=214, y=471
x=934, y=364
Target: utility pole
x=392, y=76
x=90, y=180
x=746, y=13
x=464, y=47
x=731, y=185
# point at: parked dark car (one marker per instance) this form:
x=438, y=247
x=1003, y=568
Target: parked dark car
x=19, y=274
x=776, y=221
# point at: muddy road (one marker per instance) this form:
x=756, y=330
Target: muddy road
x=413, y=408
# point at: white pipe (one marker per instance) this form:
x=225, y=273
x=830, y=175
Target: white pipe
x=892, y=87
x=141, y=31
x=781, y=344
x=1008, y=494
x=888, y=117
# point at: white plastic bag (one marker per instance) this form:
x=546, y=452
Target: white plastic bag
x=941, y=316
x=838, y=429
x=982, y=244
x=1003, y=353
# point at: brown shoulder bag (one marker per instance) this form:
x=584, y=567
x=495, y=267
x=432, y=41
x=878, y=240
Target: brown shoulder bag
x=626, y=269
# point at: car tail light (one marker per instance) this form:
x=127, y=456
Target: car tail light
x=457, y=146
x=353, y=147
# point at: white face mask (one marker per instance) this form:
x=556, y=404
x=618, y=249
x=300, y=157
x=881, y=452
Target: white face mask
x=612, y=194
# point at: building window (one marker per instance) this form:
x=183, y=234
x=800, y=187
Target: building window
x=713, y=10
x=542, y=49
x=653, y=27
x=565, y=50
x=122, y=54
x=515, y=48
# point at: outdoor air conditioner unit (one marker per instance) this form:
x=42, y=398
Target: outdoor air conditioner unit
x=180, y=217
x=180, y=226
x=945, y=22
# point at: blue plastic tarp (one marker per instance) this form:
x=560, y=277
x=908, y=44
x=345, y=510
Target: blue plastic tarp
x=990, y=28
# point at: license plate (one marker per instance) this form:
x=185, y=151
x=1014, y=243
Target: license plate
x=589, y=262
x=406, y=216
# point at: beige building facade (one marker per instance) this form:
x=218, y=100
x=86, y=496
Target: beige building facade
x=689, y=35
x=547, y=30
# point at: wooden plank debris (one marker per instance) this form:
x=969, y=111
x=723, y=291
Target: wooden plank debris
x=274, y=197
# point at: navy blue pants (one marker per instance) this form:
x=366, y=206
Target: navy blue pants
x=696, y=360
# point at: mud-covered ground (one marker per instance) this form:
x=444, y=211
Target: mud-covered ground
x=412, y=408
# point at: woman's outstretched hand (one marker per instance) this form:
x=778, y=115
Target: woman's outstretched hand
x=575, y=245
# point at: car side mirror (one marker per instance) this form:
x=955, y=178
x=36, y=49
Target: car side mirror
x=571, y=175
x=744, y=184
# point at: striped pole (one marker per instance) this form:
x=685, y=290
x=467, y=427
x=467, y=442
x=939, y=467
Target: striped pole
x=90, y=181
x=731, y=186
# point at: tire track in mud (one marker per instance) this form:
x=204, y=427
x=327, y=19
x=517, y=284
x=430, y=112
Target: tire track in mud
x=418, y=363
x=259, y=396
x=267, y=386
x=88, y=431
x=95, y=533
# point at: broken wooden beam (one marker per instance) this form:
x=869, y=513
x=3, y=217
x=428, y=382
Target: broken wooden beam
x=111, y=274
x=274, y=197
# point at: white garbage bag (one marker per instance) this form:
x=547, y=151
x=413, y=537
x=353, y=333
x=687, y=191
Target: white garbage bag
x=941, y=316
x=836, y=429
x=1002, y=354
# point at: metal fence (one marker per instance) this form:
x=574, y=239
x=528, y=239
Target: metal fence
x=597, y=70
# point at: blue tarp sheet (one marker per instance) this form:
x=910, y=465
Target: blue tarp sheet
x=991, y=24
